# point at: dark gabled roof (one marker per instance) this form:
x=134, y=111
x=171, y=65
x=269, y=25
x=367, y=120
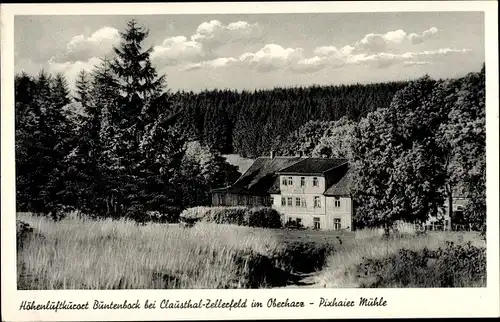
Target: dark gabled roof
x=342, y=187
x=316, y=166
x=262, y=176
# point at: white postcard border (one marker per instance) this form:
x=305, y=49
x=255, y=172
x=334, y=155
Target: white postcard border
x=466, y=302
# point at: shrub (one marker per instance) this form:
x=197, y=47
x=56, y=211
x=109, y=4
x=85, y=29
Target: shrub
x=263, y=217
x=226, y=215
x=303, y=256
x=167, y=215
x=194, y=213
x=452, y=266
x=242, y=216
x=293, y=224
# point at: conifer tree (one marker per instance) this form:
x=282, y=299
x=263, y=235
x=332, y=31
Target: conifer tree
x=51, y=146
x=106, y=102
x=140, y=88
x=83, y=88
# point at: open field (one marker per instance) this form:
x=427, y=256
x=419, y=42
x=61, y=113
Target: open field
x=79, y=253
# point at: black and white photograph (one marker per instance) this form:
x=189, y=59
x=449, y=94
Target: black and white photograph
x=315, y=150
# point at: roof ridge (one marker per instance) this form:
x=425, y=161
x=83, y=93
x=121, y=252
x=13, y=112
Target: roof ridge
x=338, y=165
x=291, y=165
x=248, y=169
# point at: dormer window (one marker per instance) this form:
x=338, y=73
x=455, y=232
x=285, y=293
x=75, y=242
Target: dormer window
x=315, y=182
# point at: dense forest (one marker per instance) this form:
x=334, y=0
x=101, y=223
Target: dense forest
x=122, y=144
x=250, y=123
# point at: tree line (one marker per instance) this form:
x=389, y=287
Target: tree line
x=251, y=123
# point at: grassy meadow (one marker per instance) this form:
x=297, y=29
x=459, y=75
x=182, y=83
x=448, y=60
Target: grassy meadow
x=82, y=253
x=79, y=253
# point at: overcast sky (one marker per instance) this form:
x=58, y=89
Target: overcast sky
x=264, y=50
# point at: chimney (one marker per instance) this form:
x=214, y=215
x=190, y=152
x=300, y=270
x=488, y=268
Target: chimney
x=271, y=154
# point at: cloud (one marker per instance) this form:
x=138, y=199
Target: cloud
x=372, y=43
x=212, y=64
x=200, y=46
x=269, y=58
x=377, y=51
x=214, y=33
x=81, y=48
x=380, y=42
x=177, y=49
x=272, y=57
x=420, y=38
x=275, y=57
x=385, y=60
x=72, y=69
x=415, y=63
x=309, y=65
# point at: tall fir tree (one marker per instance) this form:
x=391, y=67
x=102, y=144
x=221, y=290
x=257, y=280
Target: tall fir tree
x=106, y=100
x=83, y=88
x=140, y=88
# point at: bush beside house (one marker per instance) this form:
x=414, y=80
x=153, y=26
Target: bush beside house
x=263, y=217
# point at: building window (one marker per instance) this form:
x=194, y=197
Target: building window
x=283, y=201
x=336, y=223
x=241, y=200
x=303, y=202
x=290, y=181
x=317, y=224
x=315, y=182
x=337, y=202
x=271, y=200
x=289, y=201
x=220, y=199
x=302, y=181
x=297, y=202
x=317, y=202
x=283, y=182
